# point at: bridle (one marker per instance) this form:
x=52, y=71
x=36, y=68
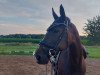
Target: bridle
x=53, y=52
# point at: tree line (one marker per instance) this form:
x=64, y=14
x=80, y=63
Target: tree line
x=21, y=38
x=92, y=29
x=31, y=36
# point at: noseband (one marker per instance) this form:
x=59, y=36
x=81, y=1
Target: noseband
x=54, y=52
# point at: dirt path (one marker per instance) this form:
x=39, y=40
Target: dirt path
x=25, y=65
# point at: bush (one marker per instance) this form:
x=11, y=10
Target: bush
x=4, y=53
x=13, y=52
x=30, y=52
x=19, y=40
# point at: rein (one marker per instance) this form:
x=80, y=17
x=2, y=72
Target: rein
x=53, y=53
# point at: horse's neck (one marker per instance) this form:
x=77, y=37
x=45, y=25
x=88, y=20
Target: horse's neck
x=67, y=64
x=69, y=61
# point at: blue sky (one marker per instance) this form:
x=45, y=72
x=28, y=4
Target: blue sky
x=34, y=16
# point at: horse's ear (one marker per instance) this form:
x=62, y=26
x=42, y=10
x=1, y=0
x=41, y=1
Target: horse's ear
x=54, y=14
x=62, y=12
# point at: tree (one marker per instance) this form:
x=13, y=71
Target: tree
x=92, y=30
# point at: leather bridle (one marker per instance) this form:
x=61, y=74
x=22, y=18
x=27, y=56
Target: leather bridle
x=53, y=52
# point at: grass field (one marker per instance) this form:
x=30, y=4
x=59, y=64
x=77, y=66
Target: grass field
x=29, y=48
x=94, y=51
x=17, y=49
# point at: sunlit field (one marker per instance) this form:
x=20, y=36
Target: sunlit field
x=17, y=48
x=29, y=48
x=94, y=51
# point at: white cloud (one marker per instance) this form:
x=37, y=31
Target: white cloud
x=13, y=28
x=34, y=16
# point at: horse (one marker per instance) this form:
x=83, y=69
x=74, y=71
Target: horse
x=62, y=47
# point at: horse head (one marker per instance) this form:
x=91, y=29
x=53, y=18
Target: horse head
x=63, y=36
x=55, y=38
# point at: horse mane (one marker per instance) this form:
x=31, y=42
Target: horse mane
x=76, y=49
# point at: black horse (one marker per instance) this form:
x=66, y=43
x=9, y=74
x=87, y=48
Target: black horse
x=61, y=45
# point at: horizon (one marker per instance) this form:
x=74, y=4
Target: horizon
x=35, y=16
x=29, y=34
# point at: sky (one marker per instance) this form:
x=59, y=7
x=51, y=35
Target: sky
x=35, y=16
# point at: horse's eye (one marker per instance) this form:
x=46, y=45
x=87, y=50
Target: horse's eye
x=55, y=31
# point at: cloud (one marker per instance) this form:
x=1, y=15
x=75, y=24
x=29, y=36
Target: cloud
x=36, y=14
x=16, y=29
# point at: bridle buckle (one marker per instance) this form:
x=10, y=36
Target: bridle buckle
x=52, y=56
x=51, y=52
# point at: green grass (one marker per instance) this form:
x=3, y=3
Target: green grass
x=29, y=48
x=94, y=51
x=17, y=49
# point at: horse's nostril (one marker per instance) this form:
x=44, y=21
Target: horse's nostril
x=38, y=57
